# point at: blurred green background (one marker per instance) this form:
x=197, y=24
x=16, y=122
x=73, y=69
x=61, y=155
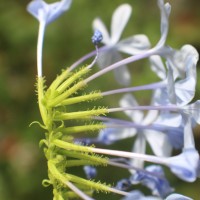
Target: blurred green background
x=22, y=165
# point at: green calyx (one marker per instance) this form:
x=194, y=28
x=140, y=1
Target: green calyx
x=59, y=147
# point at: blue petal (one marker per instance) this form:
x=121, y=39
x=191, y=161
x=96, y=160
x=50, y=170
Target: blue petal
x=119, y=20
x=154, y=180
x=134, y=195
x=47, y=12
x=183, y=65
x=110, y=135
x=35, y=6
x=177, y=197
x=134, y=44
x=176, y=137
x=137, y=195
x=165, y=10
x=185, y=165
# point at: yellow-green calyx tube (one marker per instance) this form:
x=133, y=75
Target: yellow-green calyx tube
x=60, y=150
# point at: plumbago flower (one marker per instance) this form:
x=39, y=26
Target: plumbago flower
x=170, y=114
x=113, y=46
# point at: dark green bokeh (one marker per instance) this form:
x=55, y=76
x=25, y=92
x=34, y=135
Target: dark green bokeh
x=22, y=165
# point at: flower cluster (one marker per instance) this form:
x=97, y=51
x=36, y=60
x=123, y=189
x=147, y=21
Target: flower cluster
x=165, y=125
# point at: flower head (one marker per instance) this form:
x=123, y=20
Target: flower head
x=166, y=120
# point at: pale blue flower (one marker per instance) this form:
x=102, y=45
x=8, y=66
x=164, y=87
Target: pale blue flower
x=48, y=12
x=119, y=20
x=131, y=45
x=184, y=88
x=179, y=78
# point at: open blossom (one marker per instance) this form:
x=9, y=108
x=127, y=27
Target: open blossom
x=113, y=44
x=179, y=76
